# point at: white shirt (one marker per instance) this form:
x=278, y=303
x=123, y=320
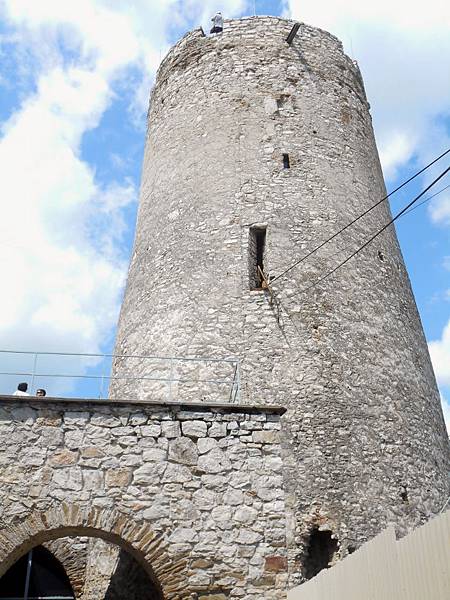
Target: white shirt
x=217, y=21
x=20, y=393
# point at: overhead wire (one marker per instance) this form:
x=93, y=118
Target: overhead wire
x=375, y=235
x=426, y=200
x=348, y=246
x=363, y=214
x=409, y=208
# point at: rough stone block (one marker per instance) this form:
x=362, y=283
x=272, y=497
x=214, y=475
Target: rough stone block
x=217, y=430
x=275, y=564
x=183, y=450
x=265, y=437
x=215, y=461
x=195, y=429
x=170, y=429
x=118, y=477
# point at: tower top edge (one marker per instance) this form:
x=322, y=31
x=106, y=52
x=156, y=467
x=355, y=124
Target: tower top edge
x=247, y=27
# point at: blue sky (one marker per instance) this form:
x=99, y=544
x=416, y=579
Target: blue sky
x=74, y=85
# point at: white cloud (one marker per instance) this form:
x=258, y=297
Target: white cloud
x=446, y=411
x=403, y=49
x=396, y=150
x=401, y=14
x=61, y=262
x=56, y=274
x=60, y=231
x=440, y=213
x=440, y=356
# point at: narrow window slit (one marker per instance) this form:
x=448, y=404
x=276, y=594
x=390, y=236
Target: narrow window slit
x=404, y=494
x=256, y=248
x=286, y=161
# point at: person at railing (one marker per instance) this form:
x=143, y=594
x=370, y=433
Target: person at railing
x=21, y=390
x=41, y=393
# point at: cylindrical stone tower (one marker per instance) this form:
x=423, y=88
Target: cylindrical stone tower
x=258, y=150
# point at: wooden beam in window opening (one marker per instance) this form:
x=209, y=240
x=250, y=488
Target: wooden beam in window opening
x=293, y=33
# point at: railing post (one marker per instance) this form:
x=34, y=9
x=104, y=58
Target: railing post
x=238, y=382
x=170, y=380
x=27, y=580
x=101, y=386
x=34, y=371
x=233, y=383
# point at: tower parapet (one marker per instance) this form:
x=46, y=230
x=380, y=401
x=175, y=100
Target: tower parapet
x=258, y=150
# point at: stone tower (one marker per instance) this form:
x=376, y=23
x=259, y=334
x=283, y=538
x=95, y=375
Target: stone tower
x=257, y=150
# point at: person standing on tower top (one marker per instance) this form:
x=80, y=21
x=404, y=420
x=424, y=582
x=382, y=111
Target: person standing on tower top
x=217, y=22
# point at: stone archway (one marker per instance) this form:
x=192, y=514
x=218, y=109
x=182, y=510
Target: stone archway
x=138, y=539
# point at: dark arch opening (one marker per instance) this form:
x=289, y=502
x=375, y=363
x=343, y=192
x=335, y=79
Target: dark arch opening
x=130, y=581
x=320, y=552
x=37, y=574
x=112, y=574
x=71, y=531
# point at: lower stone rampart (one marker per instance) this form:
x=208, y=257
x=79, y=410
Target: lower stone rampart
x=193, y=493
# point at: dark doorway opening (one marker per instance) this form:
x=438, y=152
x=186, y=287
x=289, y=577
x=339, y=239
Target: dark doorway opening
x=321, y=550
x=38, y=574
x=286, y=161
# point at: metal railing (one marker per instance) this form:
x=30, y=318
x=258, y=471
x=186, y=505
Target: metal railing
x=116, y=376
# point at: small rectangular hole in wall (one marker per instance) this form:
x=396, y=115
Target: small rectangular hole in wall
x=286, y=161
x=256, y=247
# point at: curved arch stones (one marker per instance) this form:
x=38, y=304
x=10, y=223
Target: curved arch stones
x=110, y=525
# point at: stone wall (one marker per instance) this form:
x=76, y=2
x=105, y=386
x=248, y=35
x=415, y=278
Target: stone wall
x=192, y=492
x=73, y=554
x=101, y=566
x=365, y=442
